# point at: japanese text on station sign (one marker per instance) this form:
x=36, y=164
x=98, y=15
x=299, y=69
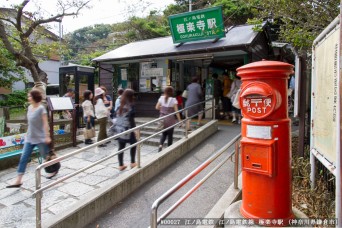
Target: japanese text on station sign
x=197, y=25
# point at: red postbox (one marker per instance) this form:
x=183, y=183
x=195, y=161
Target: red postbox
x=265, y=143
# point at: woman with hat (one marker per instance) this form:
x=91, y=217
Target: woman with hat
x=101, y=113
x=88, y=112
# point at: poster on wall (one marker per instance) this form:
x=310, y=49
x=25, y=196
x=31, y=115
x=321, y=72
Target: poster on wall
x=124, y=74
x=154, y=72
x=143, y=67
x=142, y=85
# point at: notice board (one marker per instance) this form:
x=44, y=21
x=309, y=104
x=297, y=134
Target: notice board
x=325, y=95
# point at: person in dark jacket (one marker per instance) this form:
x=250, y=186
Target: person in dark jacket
x=125, y=119
x=217, y=89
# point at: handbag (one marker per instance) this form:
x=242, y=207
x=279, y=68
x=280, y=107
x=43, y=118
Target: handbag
x=54, y=167
x=236, y=102
x=89, y=132
x=185, y=94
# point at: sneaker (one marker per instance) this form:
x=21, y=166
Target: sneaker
x=160, y=149
x=234, y=120
x=122, y=167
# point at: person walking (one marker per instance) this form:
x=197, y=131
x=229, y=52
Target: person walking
x=226, y=102
x=236, y=113
x=124, y=121
x=117, y=101
x=88, y=112
x=167, y=105
x=37, y=134
x=101, y=113
x=194, y=96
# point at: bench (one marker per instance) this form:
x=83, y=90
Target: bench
x=15, y=153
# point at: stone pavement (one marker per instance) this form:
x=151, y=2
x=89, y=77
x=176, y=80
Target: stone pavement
x=17, y=207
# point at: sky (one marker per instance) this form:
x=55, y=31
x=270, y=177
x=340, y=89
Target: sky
x=102, y=11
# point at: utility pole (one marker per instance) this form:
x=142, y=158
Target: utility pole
x=190, y=5
x=60, y=42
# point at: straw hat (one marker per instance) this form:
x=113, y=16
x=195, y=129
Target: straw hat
x=98, y=91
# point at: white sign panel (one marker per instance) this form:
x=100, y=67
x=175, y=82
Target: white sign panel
x=259, y=132
x=324, y=96
x=124, y=74
x=61, y=103
x=154, y=72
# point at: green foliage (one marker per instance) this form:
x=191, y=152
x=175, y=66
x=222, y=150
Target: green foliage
x=82, y=39
x=9, y=72
x=235, y=12
x=14, y=99
x=300, y=20
x=146, y=28
x=86, y=59
x=257, y=24
x=175, y=9
x=23, y=35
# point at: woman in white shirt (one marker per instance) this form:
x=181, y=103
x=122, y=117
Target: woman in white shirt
x=167, y=105
x=88, y=112
x=101, y=113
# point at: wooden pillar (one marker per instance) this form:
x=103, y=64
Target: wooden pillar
x=302, y=105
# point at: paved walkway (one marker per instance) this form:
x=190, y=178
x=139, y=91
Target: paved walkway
x=17, y=207
x=135, y=211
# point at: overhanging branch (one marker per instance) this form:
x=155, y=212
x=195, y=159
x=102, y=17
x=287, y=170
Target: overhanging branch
x=20, y=14
x=56, y=18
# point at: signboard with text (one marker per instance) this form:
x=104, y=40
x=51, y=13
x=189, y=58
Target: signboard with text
x=325, y=95
x=197, y=25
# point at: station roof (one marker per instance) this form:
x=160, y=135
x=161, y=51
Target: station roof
x=237, y=38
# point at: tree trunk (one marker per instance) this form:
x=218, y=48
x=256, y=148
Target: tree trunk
x=40, y=80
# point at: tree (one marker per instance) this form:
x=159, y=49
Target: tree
x=24, y=37
x=234, y=12
x=300, y=20
x=82, y=39
x=9, y=72
x=141, y=28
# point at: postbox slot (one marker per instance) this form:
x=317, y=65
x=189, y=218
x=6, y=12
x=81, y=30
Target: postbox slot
x=258, y=156
x=256, y=165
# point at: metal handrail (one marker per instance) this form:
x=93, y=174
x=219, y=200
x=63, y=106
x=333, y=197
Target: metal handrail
x=154, y=216
x=38, y=193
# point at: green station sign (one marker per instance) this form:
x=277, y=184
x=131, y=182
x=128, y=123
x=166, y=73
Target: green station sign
x=197, y=25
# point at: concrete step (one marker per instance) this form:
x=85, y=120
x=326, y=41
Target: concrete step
x=154, y=129
x=155, y=141
x=175, y=134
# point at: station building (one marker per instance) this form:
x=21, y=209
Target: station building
x=148, y=66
